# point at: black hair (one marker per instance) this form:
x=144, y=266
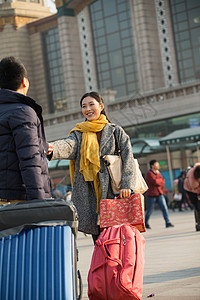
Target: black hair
x=12, y=72
x=152, y=162
x=98, y=98
x=197, y=172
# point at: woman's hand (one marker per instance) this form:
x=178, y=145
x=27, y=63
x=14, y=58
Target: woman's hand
x=50, y=150
x=124, y=193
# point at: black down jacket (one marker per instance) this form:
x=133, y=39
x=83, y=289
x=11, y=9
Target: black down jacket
x=23, y=165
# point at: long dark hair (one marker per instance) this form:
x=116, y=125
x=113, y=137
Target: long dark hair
x=98, y=98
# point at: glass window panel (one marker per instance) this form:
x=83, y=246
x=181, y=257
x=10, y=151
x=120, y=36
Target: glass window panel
x=187, y=63
x=195, y=37
x=130, y=78
x=175, y=27
x=124, y=33
x=105, y=75
x=116, y=59
x=106, y=84
x=172, y=7
x=186, y=54
x=102, y=49
x=178, y=47
x=124, y=24
x=189, y=73
x=103, y=58
x=52, y=47
x=129, y=69
x=100, y=32
x=194, y=17
x=109, y=7
x=96, y=49
x=174, y=3
x=121, y=90
x=192, y=4
x=122, y=16
x=114, y=42
x=184, y=35
x=111, y=24
x=121, y=1
x=128, y=60
x=104, y=66
x=181, y=17
x=99, y=75
x=122, y=7
x=182, y=26
x=118, y=76
x=126, y=42
x=101, y=40
x=98, y=15
x=185, y=44
x=56, y=80
x=180, y=7
x=196, y=52
x=132, y=86
x=99, y=23
x=52, y=39
x=127, y=51
x=59, y=95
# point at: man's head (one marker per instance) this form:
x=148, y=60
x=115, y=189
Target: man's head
x=154, y=165
x=13, y=75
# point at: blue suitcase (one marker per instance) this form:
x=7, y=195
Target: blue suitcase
x=39, y=263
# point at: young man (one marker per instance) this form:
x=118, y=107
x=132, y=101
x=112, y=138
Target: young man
x=23, y=165
x=154, y=194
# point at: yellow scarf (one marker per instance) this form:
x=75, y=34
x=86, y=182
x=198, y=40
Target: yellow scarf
x=89, y=161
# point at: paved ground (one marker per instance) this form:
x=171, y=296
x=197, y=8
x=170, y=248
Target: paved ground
x=172, y=258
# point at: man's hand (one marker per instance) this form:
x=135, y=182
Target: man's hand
x=50, y=150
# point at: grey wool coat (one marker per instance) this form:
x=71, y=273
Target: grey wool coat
x=83, y=195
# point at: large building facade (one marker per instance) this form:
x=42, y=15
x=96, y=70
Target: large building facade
x=142, y=55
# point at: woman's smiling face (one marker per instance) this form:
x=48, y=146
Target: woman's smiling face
x=91, y=108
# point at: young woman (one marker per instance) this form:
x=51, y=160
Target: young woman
x=192, y=188
x=85, y=146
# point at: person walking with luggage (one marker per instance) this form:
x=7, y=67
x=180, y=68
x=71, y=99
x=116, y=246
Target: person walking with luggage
x=85, y=146
x=155, y=182
x=192, y=188
x=23, y=165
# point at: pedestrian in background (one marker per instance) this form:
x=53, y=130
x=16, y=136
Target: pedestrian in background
x=85, y=146
x=185, y=201
x=154, y=194
x=192, y=187
x=23, y=165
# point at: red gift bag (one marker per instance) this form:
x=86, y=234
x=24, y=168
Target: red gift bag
x=123, y=211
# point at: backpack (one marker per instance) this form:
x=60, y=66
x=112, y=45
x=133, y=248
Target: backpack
x=117, y=265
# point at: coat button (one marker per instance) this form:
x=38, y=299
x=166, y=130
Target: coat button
x=101, y=171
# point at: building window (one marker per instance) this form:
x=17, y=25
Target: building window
x=114, y=46
x=186, y=25
x=54, y=71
